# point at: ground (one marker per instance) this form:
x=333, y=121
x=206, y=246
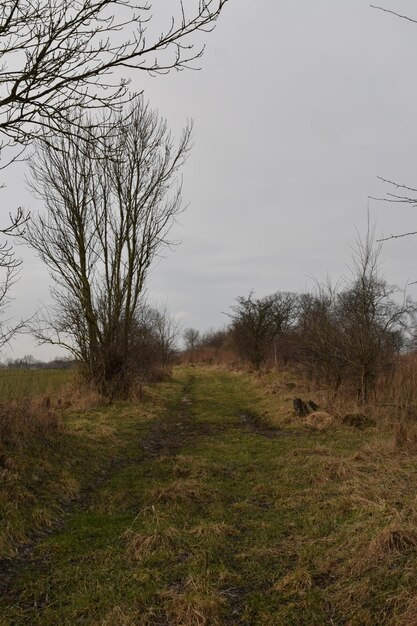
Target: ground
x=215, y=508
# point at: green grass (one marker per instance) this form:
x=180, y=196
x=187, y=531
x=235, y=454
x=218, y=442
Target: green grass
x=41, y=472
x=214, y=520
x=27, y=383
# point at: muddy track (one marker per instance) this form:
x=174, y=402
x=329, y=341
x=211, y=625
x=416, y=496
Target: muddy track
x=164, y=437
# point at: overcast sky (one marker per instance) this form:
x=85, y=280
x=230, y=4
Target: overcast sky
x=298, y=108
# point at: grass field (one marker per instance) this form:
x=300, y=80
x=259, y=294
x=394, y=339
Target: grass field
x=209, y=504
x=27, y=383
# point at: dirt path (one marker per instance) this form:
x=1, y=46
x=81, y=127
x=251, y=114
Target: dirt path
x=165, y=436
x=218, y=519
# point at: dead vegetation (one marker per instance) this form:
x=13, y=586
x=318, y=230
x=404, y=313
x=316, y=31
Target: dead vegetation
x=141, y=545
x=22, y=419
x=196, y=603
x=312, y=517
x=393, y=540
x=183, y=491
x=213, y=528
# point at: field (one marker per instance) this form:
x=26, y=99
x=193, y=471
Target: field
x=29, y=383
x=209, y=503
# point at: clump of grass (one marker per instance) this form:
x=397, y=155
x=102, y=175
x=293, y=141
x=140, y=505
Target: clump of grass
x=193, y=604
x=190, y=467
x=141, y=545
x=409, y=616
x=319, y=420
x=295, y=583
x=336, y=468
x=119, y=617
x=259, y=553
x=393, y=540
x=158, y=539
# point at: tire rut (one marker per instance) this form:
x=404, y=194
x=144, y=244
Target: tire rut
x=164, y=437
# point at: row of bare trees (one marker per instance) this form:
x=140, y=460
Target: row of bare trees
x=347, y=334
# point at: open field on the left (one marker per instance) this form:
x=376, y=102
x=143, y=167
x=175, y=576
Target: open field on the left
x=30, y=383
x=51, y=455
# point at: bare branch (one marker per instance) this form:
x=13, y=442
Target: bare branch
x=403, y=17
x=397, y=236
x=57, y=58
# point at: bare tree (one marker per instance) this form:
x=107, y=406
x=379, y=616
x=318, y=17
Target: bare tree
x=165, y=331
x=110, y=204
x=153, y=346
x=352, y=331
x=191, y=338
x=258, y=322
x=371, y=321
x=318, y=333
x=58, y=60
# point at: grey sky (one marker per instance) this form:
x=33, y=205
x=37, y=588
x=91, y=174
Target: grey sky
x=298, y=107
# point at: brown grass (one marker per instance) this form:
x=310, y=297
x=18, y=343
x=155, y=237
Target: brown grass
x=337, y=469
x=316, y=451
x=141, y=545
x=319, y=420
x=409, y=616
x=22, y=419
x=216, y=529
x=194, y=604
x=294, y=583
x=190, y=467
x=260, y=553
x=393, y=540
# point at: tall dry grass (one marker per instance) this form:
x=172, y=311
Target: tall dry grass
x=24, y=419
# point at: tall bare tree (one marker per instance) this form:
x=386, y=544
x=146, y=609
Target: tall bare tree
x=371, y=320
x=58, y=59
x=352, y=331
x=258, y=322
x=110, y=204
x=191, y=338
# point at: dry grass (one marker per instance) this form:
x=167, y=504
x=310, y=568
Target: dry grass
x=315, y=451
x=409, y=616
x=213, y=357
x=214, y=529
x=190, y=467
x=141, y=545
x=119, y=617
x=339, y=469
x=393, y=540
x=311, y=527
x=319, y=420
x=194, y=604
x=259, y=553
x=297, y=583
x=181, y=492
x=22, y=419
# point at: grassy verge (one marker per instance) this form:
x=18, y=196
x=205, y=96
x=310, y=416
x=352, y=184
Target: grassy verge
x=220, y=519
x=58, y=455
